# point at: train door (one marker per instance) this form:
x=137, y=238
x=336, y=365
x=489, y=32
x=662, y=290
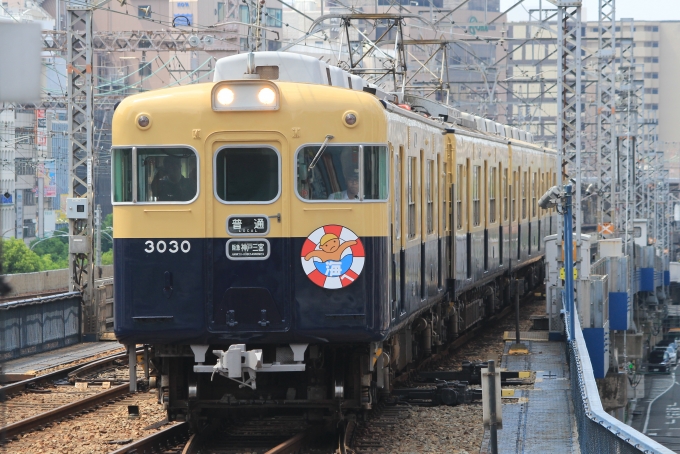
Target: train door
x=249, y=223
x=397, y=249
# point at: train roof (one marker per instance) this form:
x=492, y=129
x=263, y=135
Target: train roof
x=292, y=67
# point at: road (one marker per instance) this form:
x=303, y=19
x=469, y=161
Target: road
x=658, y=414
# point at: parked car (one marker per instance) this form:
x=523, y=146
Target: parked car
x=659, y=361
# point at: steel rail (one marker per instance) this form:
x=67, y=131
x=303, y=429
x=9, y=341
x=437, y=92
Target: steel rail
x=58, y=413
x=293, y=445
x=172, y=436
x=65, y=373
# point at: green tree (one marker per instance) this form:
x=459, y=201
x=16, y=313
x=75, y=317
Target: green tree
x=57, y=249
x=18, y=258
x=107, y=227
x=107, y=257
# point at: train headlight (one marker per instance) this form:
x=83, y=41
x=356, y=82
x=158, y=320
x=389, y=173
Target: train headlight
x=225, y=96
x=267, y=96
x=240, y=95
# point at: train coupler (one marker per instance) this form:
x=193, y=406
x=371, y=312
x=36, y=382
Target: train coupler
x=241, y=365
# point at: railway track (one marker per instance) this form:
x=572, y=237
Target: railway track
x=399, y=427
x=261, y=436
x=40, y=402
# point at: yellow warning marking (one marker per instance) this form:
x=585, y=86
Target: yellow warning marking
x=541, y=336
x=507, y=392
x=525, y=374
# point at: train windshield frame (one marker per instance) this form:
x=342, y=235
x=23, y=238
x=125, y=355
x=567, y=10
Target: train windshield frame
x=342, y=173
x=167, y=174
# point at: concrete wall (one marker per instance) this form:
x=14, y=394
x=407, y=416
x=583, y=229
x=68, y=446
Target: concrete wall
x=669, y=59
x=46, y=281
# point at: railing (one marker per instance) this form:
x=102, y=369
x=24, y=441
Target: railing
x=598, y=432
x=35, y=325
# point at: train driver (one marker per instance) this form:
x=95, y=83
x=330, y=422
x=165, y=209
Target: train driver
x=169, y=185
x=351, y=174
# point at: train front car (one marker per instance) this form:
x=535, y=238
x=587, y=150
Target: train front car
x=251, y=223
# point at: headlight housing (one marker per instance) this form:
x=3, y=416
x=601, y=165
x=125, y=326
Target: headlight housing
x=243, y=95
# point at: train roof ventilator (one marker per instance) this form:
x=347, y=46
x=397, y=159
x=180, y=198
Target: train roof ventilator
x=242, y=366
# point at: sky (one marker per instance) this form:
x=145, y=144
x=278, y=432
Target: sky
x=637, y=9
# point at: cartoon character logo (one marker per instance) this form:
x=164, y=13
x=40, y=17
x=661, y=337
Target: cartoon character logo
x=333, y=256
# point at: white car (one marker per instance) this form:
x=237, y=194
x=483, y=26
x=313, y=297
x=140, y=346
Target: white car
x=672, y=354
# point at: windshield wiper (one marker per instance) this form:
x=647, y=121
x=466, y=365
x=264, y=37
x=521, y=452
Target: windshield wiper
x=320, y=152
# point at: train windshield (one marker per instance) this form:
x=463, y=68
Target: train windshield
x=247, y=174
x=156, y=175
x=342, y=173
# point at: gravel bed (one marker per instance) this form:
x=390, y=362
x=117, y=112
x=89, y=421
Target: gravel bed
x=100, y=431
x=29, y=404
x=443, y=429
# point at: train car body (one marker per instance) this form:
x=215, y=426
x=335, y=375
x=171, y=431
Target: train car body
x=303, y=240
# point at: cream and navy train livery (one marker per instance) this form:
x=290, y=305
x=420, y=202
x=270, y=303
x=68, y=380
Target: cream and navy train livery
x=288, y=236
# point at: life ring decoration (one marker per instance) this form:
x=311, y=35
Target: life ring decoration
x=333, y=256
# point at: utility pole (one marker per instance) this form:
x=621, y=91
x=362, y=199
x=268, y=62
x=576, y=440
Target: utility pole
x=80, y=132
x=98, y=229
x=569, y=116
x=605, y=110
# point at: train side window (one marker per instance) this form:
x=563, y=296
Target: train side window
x=411, y=189
x=524, y=195
x=122, y=175
x=459, y=197
x=533, y=195
x=162, y=175
x=514, y=190
x=397, y=192
x=429, y=184
x=247, y=174
x=334, y=175
x=375, y=172
x=505, y=194
x=492, y=195
x=476, y=190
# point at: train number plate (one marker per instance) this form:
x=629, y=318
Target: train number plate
x=247, y=225
x=248, y=249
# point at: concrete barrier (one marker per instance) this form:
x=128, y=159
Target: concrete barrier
x=47, y=281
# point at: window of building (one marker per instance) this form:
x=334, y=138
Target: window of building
x=273, y=46
x=411, y=193
x=24, y=135
x=274, y=17
x=29, y=228
x=247, y=174
x=24, y=167
x=244, y=13
x=476, y=194
x=162, y=175
x=429, y=188
x=220, y=11
x=483, y=5
x=654, y=106
x=335, y=173
x=492, y=194
x=29, y=198
x=144, y=11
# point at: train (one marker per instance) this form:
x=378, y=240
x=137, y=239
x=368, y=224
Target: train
x=291, y=236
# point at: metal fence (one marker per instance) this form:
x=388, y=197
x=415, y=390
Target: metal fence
x=39, y=324
x=599, y=432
